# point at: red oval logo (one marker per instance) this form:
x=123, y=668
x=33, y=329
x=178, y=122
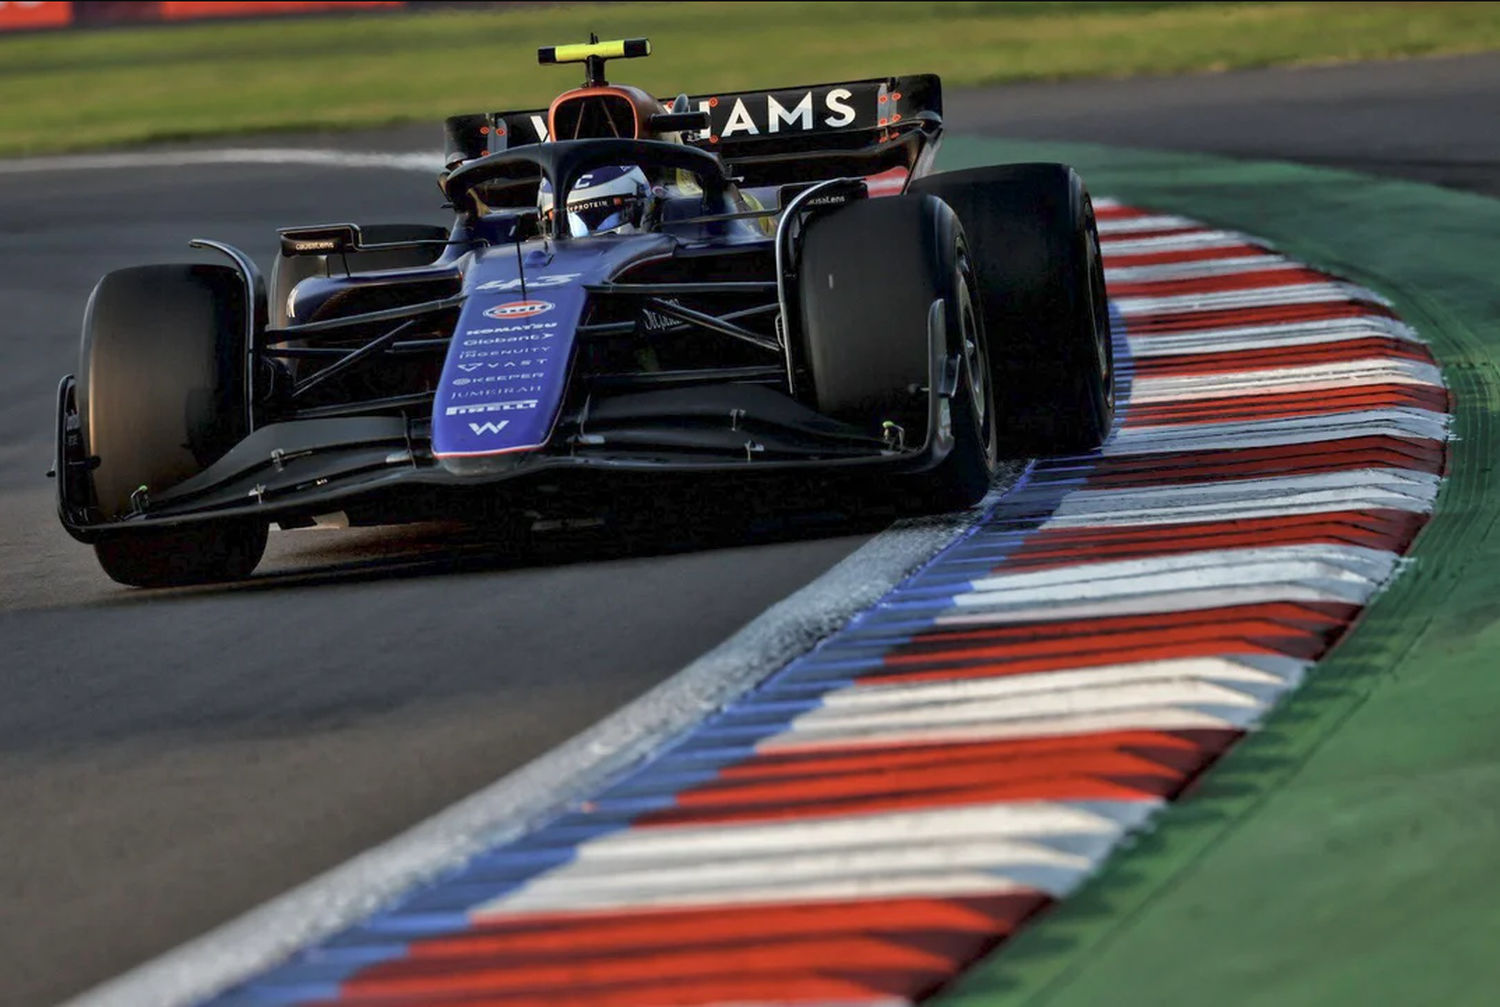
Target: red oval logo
x=519, y=309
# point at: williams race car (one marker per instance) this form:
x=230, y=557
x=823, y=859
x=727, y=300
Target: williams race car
x=711, y=287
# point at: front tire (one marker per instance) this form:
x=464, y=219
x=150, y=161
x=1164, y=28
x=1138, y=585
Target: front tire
x=194, y=554
x=868, y=276
x=162, y=396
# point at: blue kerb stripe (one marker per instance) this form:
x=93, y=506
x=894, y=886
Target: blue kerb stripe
x=899, y=621
x=662, y=778
x=414, y=926
x=277, y=996
x=344, y=947
x=940, y=595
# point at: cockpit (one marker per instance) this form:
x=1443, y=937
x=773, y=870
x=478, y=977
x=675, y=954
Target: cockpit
x=645, y=194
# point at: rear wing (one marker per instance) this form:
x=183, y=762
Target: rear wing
x=796, y=134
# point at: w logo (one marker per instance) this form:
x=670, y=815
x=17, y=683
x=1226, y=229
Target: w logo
x=488, y=428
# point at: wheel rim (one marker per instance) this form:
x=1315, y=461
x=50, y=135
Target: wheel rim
x=1103, y=339
x=976, y=364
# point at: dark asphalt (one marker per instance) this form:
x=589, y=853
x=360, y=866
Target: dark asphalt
x=170, y=760
x=1429, y=120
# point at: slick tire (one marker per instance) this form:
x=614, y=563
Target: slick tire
x=1041, y=280
x=868, y=276
x=161, y=396
x=288, y=271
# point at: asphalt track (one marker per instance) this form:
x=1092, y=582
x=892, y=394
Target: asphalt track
x=167, y=761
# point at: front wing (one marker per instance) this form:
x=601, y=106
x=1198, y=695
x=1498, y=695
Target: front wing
x=296, y=472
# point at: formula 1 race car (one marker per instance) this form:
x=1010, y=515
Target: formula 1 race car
x=714, y=287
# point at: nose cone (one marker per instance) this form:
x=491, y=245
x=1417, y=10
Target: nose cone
x=506, y=374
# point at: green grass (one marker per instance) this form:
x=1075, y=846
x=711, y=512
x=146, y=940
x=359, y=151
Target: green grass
x=67, y=91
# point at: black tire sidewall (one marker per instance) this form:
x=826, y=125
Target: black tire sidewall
x=161, y=389
x=161, y=396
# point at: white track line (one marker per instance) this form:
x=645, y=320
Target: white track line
x=428, y=161
x=938, y=882
x=1355, y=567
x=1277, y=336
x=1329, y=292
x=1187, y=241
x=1201, y=269
x=860, y=856
x=1346, y=374
x=995, y=822
x=1416, y=423
x=1133, y=718
x=1153, y=222
x=998, y=612
x=964, y=690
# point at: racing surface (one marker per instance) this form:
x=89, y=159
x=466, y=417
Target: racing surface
x=170, y=760
x=1420, y=120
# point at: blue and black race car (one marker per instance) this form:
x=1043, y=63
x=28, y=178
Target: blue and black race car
x=716, y=287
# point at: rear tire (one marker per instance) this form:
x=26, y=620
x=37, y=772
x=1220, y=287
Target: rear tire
x=162, y=396
x=1046, y=311
x=868, y=276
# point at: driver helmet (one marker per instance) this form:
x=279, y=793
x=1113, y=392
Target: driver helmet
x=606, y=199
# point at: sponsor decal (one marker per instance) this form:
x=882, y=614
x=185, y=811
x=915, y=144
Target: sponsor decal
x=497, y=364
x=654, y=321
x=533, y=337
x=485, y=379
x=481, y=393
x=551, y=280
x=782, y=111
x=755, y=114
x=489, y=427
x=511, y=351
x=510, y=405
x=316, y=245
x=519, y=309
x=523, y=327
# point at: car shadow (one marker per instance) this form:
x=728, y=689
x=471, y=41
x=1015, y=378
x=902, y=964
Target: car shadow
x=635, y=529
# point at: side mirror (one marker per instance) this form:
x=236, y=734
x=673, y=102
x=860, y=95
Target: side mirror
x=322, y=239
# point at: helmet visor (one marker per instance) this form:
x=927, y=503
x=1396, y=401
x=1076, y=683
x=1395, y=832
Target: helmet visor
x=608, y=213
